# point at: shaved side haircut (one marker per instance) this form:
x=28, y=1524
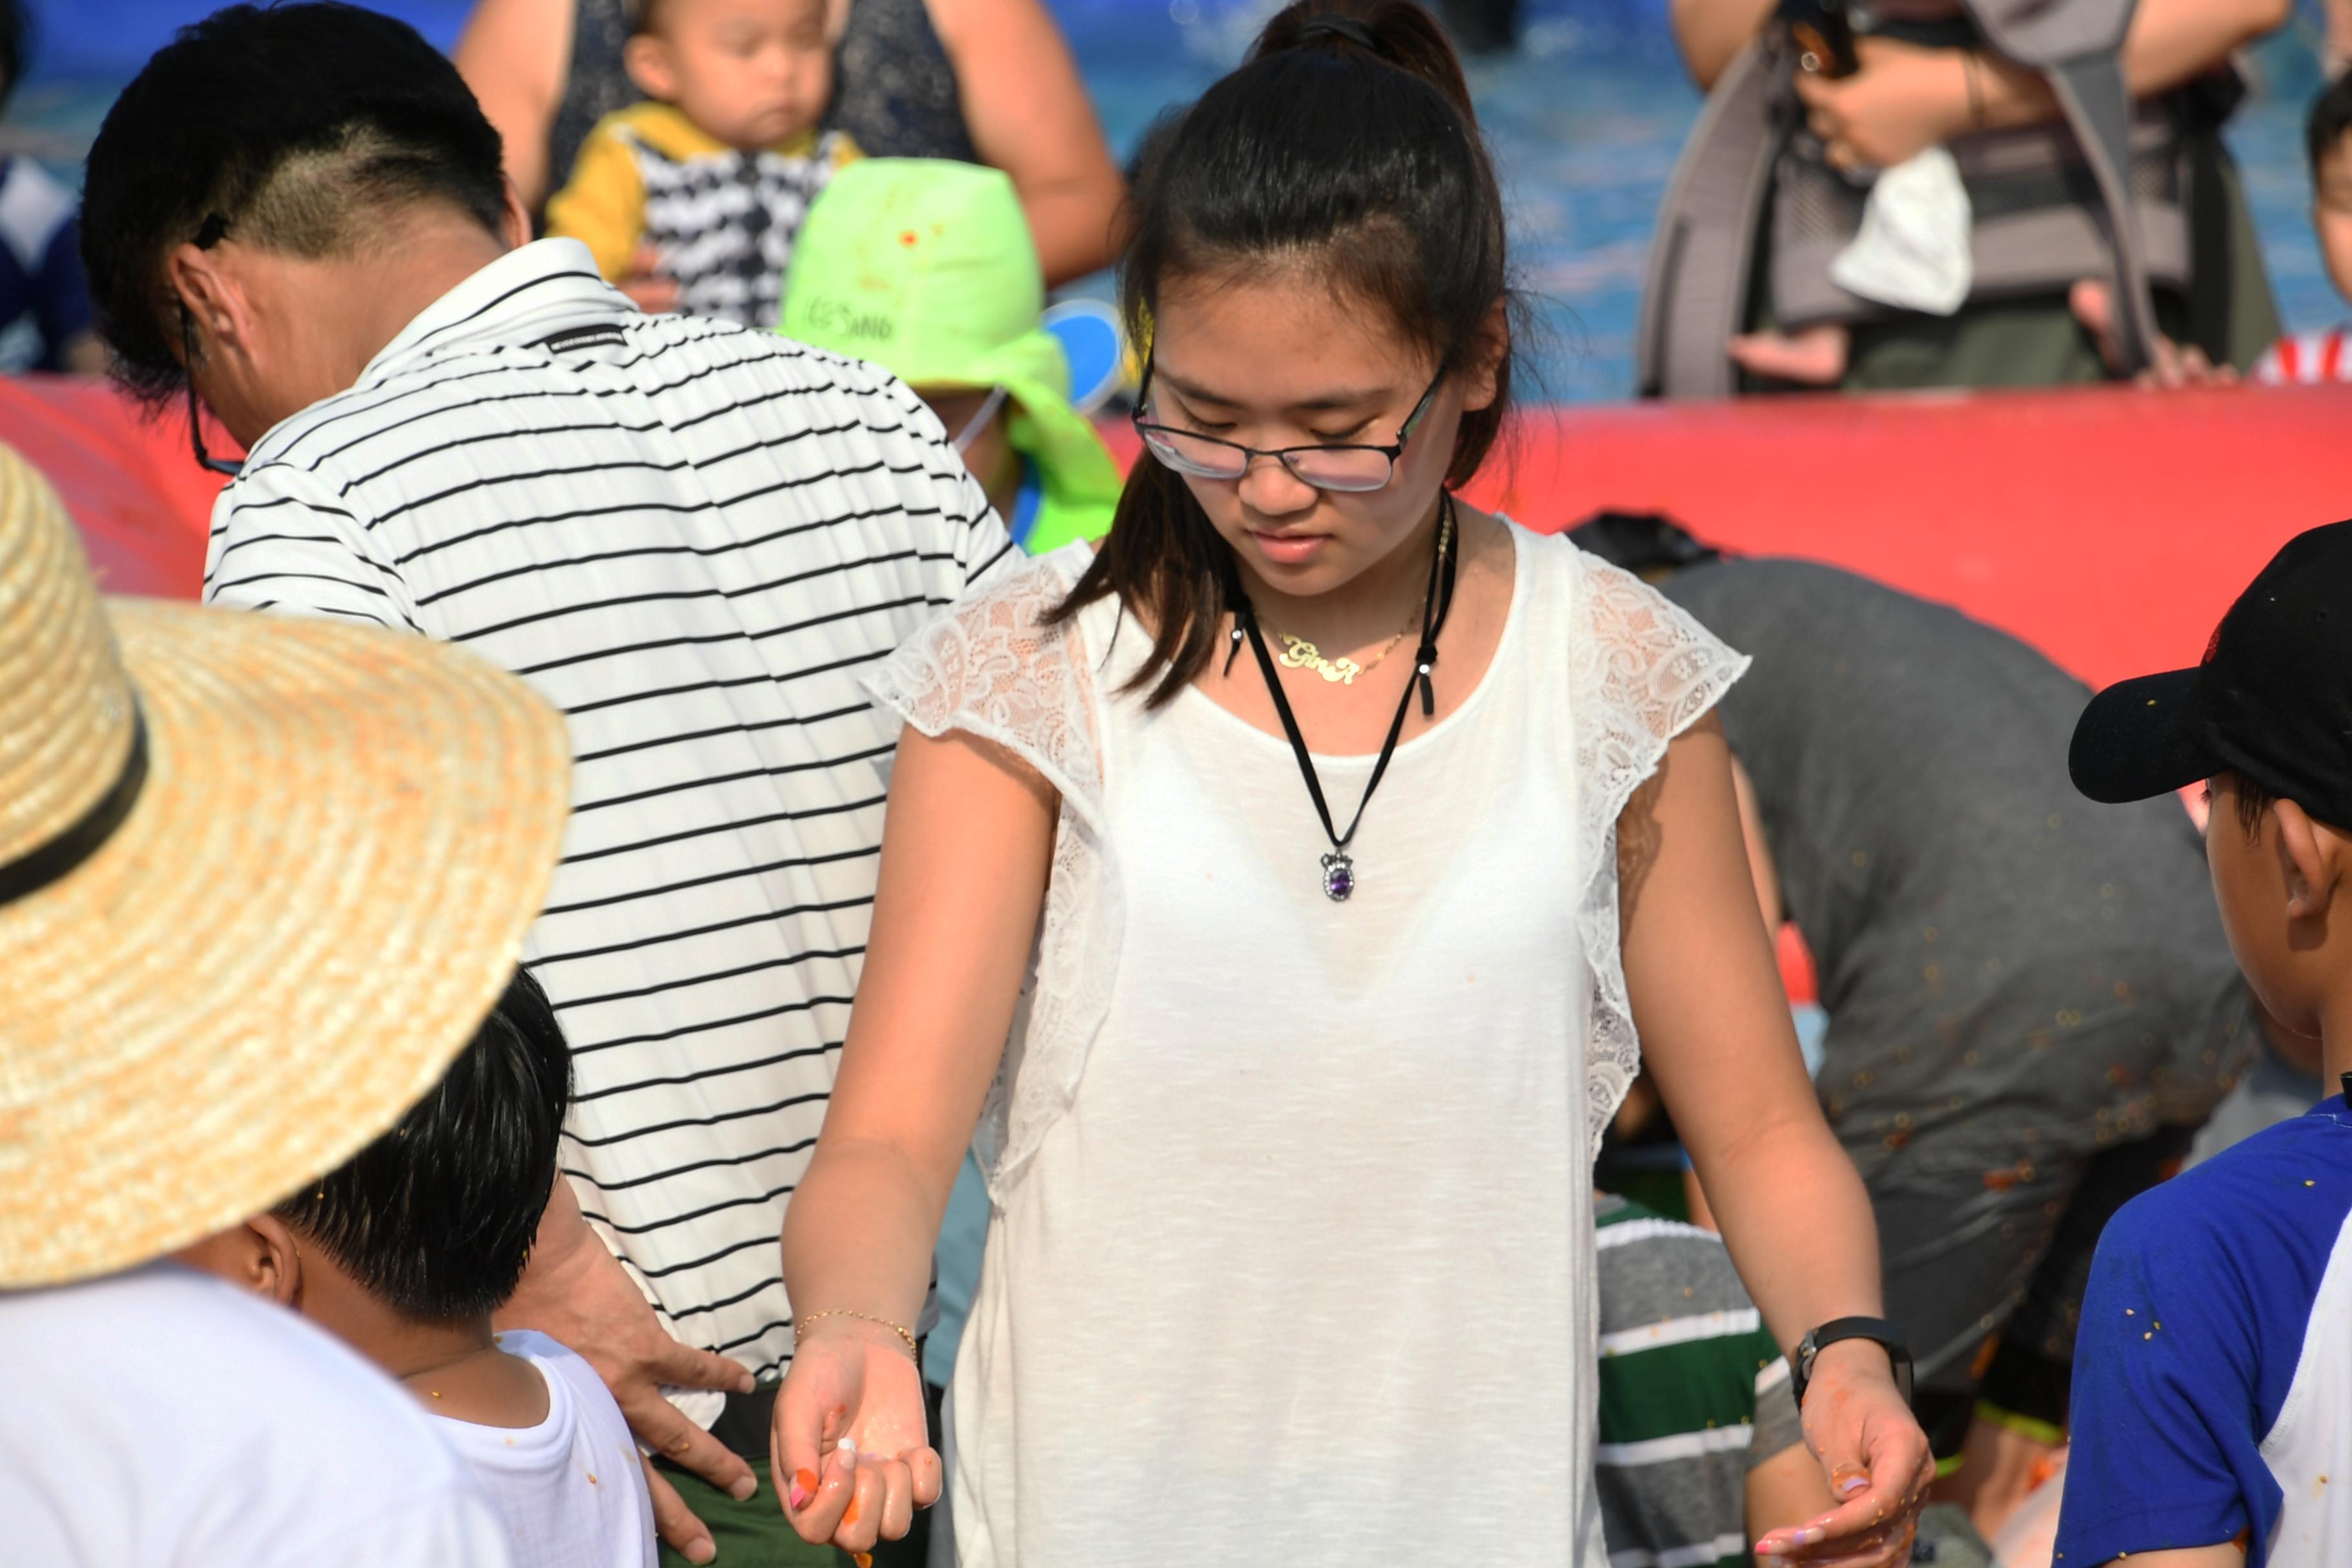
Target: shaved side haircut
x=298, y=129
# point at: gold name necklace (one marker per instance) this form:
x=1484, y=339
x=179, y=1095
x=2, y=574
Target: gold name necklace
x=1297, y=653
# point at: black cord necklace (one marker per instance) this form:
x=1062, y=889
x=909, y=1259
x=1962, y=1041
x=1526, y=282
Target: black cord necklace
x=1339, y=867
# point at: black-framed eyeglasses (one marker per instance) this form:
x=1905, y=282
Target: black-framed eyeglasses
x=1349, y=466
x=207, y=236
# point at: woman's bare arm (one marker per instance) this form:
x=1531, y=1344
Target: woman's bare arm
x=1029, y=115
x=965, y=850
x=514, y=54
x=1717, y=1036
x=1725, y=1053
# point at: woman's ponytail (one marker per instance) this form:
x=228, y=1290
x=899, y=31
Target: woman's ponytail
x=1396, y=32
x=1346, y=141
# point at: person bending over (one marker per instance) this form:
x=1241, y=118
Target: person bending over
x=405, y=1251
x=2211, y=1428
x=2031, y=1007
x=708, y=182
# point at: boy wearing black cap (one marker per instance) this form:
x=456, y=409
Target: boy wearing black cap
x=2213, y=1408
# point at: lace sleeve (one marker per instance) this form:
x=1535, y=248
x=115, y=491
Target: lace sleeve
x=1643, y=671
x=991, y=667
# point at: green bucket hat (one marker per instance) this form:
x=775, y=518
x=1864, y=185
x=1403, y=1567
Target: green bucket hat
x=926, y=268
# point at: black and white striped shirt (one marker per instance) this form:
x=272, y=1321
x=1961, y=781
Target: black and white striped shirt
x=691, y=538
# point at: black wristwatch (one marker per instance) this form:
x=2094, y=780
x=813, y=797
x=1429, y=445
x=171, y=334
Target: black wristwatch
x=1878, y=1330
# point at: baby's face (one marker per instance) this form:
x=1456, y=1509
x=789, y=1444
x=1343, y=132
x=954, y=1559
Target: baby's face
x=2331, y=215
x=748, y=72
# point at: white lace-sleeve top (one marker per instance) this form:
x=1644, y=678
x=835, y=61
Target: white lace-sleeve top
x=1291, y=1249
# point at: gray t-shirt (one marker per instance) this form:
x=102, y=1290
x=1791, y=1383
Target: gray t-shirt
x=2002, y=961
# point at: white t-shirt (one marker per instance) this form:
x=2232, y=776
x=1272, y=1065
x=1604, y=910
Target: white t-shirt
x=163, y=1417
x=570, y=1488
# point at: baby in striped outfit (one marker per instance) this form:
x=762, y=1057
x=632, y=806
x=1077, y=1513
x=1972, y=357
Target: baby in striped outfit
x=708, y=182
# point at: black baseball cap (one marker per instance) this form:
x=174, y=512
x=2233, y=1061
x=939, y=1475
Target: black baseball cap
x=2271, y=701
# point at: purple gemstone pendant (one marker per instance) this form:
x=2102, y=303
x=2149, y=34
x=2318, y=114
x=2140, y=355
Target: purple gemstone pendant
x=1338, y=877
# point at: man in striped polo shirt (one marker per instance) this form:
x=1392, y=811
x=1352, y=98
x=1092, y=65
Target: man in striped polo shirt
x=689, y=536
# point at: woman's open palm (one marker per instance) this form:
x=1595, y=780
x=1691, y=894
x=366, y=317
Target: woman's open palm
x=850, y=1446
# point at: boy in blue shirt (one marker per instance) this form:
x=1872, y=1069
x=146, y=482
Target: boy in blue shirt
x=2212, y=1404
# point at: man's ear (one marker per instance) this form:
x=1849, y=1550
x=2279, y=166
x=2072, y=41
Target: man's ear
x=2311, y=856
x=518, y=217
x=646, y=60
x=213, y=299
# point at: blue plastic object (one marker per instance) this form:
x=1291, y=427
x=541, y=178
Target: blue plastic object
x=1095, y=346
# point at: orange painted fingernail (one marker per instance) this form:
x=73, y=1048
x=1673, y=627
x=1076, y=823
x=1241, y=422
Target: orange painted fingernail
x=803, y=1488
x=863, y=1559
x=849, y=1516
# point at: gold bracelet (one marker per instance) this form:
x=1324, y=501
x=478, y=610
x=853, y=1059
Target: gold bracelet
x=1969, y=66
x=800, y=1328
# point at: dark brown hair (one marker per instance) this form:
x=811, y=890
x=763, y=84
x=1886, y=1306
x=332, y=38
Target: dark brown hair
x=1346, y=142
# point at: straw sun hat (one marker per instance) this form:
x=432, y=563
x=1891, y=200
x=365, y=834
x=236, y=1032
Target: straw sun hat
x=261, y=879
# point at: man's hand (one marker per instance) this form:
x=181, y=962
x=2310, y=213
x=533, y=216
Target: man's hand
x=576, y=1291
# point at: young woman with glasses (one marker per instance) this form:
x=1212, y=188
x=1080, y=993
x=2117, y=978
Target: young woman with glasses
x=1279, y=890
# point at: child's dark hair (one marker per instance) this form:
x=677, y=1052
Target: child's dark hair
x=1346, y=143
x=2330, y=119
x=435, y=1218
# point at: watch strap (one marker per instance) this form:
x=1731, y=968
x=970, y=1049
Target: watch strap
x=1878, y=1331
